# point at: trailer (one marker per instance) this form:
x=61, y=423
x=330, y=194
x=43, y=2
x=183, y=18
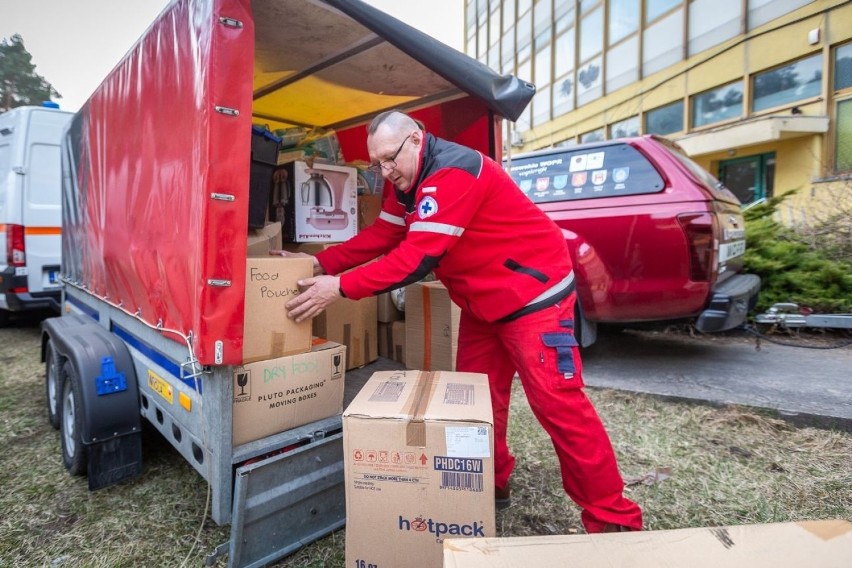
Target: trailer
x=157, y=190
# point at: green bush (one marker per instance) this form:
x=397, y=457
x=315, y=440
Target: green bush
x=793, y=266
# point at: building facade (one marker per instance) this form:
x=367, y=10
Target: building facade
x=759, y=92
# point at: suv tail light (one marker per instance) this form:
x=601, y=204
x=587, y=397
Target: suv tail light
x=700, y=231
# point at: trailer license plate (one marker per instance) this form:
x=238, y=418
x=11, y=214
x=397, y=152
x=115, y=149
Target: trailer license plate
x=161, y=387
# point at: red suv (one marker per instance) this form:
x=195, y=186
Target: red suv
x=653, y=236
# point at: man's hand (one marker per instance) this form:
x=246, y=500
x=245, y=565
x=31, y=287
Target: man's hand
x=287, y=254
x=321, y=292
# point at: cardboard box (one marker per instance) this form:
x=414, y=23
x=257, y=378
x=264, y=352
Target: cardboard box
x=352, y=323
x=267, y=331
x=824, y=544
x=369, y=207
x=431, y=327
x=387, y=310
x=392, y=340
x=279, y=394
x=418, y=460
x=324, y=207
x=261, y=241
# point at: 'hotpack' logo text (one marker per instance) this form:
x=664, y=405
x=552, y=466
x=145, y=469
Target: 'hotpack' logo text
x=419, y=524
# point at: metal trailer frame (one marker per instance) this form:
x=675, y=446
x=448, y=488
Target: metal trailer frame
x=278, y=493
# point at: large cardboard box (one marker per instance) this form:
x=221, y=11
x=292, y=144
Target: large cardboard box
x=816, y=544
x=388, y=311
x=392, y=340
x=418, y=459
x=352, y=323
x=271, y=281
x=431, y=327
x=369, y=207
x=261, y=241
x=325, y=205
x=279, y=394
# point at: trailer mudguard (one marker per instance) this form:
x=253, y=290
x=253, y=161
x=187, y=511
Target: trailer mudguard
x=111, y=426
x=110, y=402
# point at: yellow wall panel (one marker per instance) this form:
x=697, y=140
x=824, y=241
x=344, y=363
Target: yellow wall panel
x=724, y=68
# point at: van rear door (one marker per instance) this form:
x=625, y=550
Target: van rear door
x=40, y=202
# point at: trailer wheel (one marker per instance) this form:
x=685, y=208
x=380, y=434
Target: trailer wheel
x=73, y=451
x=52, y=383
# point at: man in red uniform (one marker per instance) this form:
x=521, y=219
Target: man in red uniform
x=456, y=213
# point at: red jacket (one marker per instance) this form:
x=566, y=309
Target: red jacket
x=466, y=220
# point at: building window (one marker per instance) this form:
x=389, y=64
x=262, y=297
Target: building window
x=662, y=43
x=591, y=34
x=563, y=95
x=720, y=104
x=622, y=64
x=589, y=82
x=625, y=128
x=665, y=119
x=564, y=56
x=524, y=31
x=494, y=26
x=543, y=17
x=593, y=136
x=623, y=19
x=843, y=122
x=783, y=85
x=508, y=14
x=541, y=71
x=541, y=106
x=843, y=142
x=563, y=15
x=711, y=22
x=762, y=11
x=507, y=51
x=843, y=67
x=656, y=8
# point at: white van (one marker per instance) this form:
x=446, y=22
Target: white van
x=30, y=208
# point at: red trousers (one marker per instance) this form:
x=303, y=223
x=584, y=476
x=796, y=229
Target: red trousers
x=541, y=348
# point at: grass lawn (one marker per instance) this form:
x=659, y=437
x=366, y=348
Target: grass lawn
x=687, y=466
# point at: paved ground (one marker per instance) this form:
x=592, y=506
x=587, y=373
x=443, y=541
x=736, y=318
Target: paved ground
x=808, y=387
x=805, y=386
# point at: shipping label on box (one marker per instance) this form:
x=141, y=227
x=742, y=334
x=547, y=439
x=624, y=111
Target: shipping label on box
x=279, y=394
x=325, y=205
x=418, y=460
x=431, y=327
x=271, y=282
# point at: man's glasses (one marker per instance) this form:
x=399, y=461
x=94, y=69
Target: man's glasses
x=388, y=164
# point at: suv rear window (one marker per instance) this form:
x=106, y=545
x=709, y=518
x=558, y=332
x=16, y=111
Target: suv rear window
x=585, y=173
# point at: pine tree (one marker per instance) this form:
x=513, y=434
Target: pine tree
x=19, y=83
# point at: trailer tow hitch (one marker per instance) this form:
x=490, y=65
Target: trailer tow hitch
x=789, y=315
